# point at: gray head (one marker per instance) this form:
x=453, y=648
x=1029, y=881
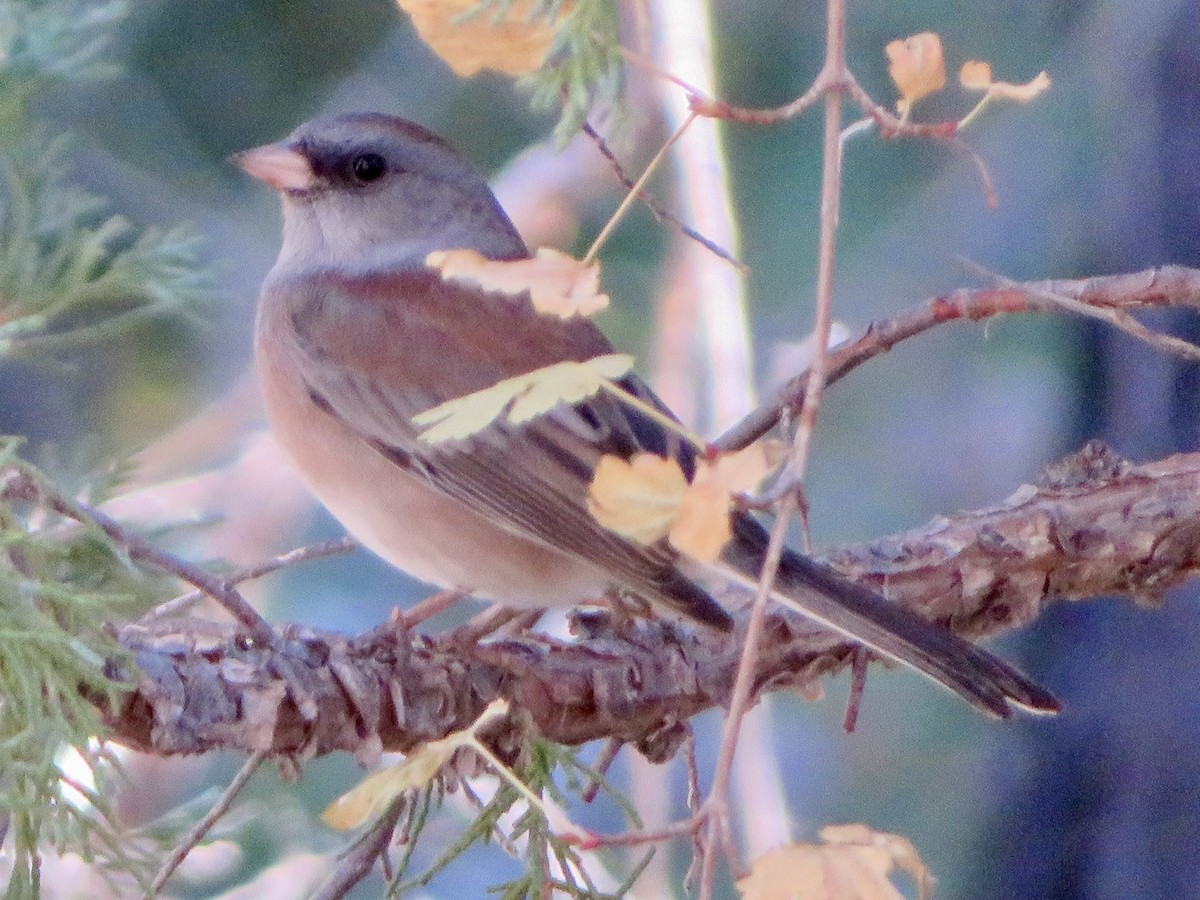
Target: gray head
x=366, y=190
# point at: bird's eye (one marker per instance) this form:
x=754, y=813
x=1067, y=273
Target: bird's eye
x=368, y=167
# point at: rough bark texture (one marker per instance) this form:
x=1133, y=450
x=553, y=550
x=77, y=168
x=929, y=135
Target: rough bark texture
x=1095, y=525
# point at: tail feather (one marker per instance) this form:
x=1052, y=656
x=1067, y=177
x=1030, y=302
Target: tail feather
x=981, y=678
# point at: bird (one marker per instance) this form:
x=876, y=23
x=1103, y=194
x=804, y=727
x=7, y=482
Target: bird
x=355, y=335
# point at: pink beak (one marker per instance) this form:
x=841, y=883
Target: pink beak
x=279, y=166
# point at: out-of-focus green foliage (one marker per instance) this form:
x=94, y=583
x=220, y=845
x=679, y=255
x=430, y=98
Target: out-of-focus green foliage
x=45, y=44
x=547, y=857
x=583, y=68
x=60, y=581
x=69, y=272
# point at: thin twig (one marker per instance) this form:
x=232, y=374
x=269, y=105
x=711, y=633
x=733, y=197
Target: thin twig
x=490, y=620
x=23, y=483
x=258, y=570
x=858, y=684
x=1169, y=287
x=427, y=608
x=608, y=754
x=739, y=702
x=889, y=125
x=693, y=772
x=646, y=64
x=480, y=808
x=201, y=828
x=360, y=860
x=655, y=836
x=833, y=75
x=719, y=109
x=1117, y=318
x=662, y=215
x=635, y=191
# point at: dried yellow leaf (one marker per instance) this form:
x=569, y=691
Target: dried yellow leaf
x=975, y=75
x=370, y=797
x=638, y=498
x=648, y=497
x=514, y=44
x=916, y=66
x=702, y=527
x=853, y=864
x=744, y=470
x=558, y=284
x=375, y=793
x=899, y=849
x=524, y=397
x=1021, y=93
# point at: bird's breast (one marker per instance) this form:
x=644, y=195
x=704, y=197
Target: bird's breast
x=392, y=510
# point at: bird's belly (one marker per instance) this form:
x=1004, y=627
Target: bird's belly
x=416, y=528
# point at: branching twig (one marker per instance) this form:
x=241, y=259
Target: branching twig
x=831, y=184
x=1117, y=318
x=183, y=602
x=662, y=215
x=20, y=483
x=1168, y=287
x=635, y=191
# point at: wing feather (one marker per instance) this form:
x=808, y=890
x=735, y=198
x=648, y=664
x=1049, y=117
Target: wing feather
x=375, y=351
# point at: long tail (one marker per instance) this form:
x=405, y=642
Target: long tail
x=982, y=679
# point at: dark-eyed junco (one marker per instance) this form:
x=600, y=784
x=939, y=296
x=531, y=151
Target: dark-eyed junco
x=356, y=335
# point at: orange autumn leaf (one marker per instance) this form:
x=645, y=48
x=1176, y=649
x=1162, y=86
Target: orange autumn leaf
x=1022, y=93
x=744, y=469
x=638, y=498
x=374, y=794
x=558, y=284
x=702, y=527
x=648, y=497
x=514, y=45
x=977, y=76
x=853, y=863
x=916, y=66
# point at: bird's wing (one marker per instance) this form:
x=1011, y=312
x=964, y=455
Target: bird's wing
x=380, y=349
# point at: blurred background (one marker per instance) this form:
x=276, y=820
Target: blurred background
x=1100, y=176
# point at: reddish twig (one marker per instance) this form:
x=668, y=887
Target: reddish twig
x=1165, y=287
x=1117, y=318
x=662, y=215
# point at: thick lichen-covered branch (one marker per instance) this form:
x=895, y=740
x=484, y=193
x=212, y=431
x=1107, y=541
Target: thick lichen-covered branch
x=1096, y=525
